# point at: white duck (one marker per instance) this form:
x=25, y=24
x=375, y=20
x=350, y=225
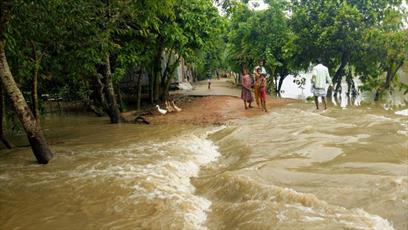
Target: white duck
x=175, y=107
x=161, y=111
x=169, y=107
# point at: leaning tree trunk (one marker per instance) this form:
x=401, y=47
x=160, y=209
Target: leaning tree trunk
x=338, y=75
x=33, y=130
x=391, y=72
x=168, y=77
x=2, y=113
x=110, y=91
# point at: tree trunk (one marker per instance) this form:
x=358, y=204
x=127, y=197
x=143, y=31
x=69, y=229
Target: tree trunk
x=338, y=87
x=151, y=86
x=391, y=72
x=338, y=75
x=168, y=76
x=156, y=86
x=352, y=91
x=157, y=76
x=112, y=104
x=34, y=89
x=120, y=99
x=139, y=88
x=2, y=113
x=101, y=91
x=281, y=79
x=33, y=130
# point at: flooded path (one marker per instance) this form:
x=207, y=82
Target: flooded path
x=299, y=169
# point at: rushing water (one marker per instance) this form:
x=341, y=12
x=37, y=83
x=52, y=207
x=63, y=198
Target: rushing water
x=293, y=168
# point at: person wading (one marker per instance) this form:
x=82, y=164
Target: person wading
x=320, y=80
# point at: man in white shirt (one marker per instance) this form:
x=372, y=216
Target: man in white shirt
x=261, y=66
x=320, y=80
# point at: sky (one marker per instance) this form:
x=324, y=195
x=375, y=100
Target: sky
x=257, y=5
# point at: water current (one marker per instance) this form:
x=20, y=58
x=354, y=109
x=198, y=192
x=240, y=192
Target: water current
x=292, y=168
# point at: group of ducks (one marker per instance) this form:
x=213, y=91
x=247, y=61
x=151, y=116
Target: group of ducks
x=170, y=107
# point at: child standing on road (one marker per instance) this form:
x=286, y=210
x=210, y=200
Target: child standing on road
x=246, y=95
x=262, y=91
x=257, y=75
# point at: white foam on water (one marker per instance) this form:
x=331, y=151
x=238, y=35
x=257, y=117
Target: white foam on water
x=398, y=180
x=367, y=221
x=378, y=117
x=157, y=175
x=215, y=130
x=313, y=219
x=351, y=218
x=168, y=181
x=402, y=112
x=404, y=126
x=402, y=132
x=293, y=204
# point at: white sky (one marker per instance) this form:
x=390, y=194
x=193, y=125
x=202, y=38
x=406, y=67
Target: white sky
x=257, y=5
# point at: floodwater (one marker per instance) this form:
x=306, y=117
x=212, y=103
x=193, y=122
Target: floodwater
x=292, y=168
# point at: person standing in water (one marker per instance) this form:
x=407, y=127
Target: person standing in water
x=246, y=89
x=320, y=80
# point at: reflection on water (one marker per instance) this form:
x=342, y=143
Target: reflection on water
x=292, y=168
x=394, y=99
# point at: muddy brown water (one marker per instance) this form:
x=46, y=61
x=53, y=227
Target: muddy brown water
x=292, y=168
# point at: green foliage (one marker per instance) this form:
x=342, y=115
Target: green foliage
x=73, y=38
x=70, y=39
x=259, y=35
x=365, y=35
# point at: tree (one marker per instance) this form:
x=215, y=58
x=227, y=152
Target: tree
x=260, y=35
x=33, y=129
x=386, y=49
x=188, y=29
x=335, y=31
x=2, y=113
